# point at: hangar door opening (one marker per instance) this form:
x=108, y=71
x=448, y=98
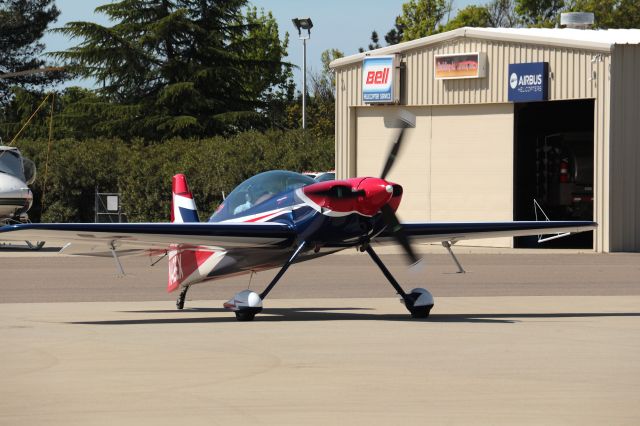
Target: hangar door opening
x=553, y=164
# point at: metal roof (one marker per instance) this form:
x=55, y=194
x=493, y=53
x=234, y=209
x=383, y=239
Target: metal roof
x=600, y=40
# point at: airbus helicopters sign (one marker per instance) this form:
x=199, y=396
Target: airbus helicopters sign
x=529, y=82
x=380, y=80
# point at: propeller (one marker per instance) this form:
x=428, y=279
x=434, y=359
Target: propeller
x=388, y=215
x=396, y=229
x=393, y=154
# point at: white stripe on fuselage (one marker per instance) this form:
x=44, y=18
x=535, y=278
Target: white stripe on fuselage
x=265, y=216
x=327, y=212
x=306, y=202
x=203, y=270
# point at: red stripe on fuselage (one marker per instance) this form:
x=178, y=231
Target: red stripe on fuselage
x=255, y=219
x=183, y=263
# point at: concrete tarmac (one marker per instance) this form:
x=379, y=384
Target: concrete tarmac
x=527, y=339
x=47, y=277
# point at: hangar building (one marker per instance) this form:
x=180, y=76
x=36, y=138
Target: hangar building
x=503, y=117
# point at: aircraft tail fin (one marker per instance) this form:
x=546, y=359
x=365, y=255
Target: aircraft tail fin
x=183, y=207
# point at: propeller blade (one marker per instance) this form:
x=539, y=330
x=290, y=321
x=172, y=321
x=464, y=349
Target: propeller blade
x=393, y=224
x=393, y=154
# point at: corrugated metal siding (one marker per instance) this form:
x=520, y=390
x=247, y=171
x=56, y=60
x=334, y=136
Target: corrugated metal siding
x=570, y=70
x=574, y=74
x=348, y=96
x=601, y=83
x=624, y=186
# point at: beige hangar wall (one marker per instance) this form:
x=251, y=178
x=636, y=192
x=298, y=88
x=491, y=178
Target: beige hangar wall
x=625, y=149
x=456, y=164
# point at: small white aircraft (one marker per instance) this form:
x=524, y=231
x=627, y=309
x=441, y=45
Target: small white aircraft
x=16, y=174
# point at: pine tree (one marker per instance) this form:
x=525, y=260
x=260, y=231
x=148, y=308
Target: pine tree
x=22, y=25
x=394, y=35
x=421, y=18
x=179, y=67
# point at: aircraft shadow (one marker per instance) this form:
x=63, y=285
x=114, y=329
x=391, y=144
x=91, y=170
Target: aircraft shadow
x=329, y=314
x=18, y=249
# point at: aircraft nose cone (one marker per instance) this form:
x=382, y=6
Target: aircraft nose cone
x=377, y=191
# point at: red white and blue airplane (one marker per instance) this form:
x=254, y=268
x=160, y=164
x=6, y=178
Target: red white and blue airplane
x=273, y=220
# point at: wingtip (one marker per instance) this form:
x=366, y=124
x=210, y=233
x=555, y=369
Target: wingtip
x=417, y=266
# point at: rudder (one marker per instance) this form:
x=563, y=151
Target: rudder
x=183, y=206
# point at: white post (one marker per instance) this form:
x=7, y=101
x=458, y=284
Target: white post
x=304, y=84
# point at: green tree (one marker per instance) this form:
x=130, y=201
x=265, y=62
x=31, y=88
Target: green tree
x=323, y=87
x=375, y=42
x=270, y=78
x=20, y=106
x=394, y=35
x=470, y=16
x=180, y=67
x=321, y=102
x=22, y=25
x=611, y=13
x=539, y=13
x=77, y=113
x=421, y=18
x=502, y=13
x=328, y=76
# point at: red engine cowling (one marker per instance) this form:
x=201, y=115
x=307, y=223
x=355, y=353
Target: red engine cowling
x=365, y=196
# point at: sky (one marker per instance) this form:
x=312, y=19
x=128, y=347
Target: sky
x=340, y=24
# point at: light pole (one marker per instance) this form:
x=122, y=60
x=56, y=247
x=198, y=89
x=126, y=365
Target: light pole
x=304, y=24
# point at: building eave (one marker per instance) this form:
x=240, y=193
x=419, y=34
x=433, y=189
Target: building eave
x=477, y=33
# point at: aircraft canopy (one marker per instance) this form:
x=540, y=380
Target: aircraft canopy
x=258, y=189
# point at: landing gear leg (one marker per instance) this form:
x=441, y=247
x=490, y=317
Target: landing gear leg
x=182, y=297
x=419, y=302
x=247, y=304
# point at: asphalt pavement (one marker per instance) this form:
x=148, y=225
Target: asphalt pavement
x=48, y=277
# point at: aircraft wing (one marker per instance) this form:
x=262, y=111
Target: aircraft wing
x=133, y=238
x=457, y=231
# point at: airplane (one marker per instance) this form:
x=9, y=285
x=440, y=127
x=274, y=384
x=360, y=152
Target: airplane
x=273, y=220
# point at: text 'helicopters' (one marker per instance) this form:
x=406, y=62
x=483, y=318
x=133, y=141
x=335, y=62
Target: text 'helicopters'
x=273, y=220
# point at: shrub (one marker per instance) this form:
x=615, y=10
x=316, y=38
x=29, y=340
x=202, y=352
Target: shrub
x=142, y=173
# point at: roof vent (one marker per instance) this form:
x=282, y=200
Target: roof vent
x=577, y=20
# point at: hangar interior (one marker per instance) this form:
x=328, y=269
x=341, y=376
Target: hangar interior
x=553, y=164
x=476, y=154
